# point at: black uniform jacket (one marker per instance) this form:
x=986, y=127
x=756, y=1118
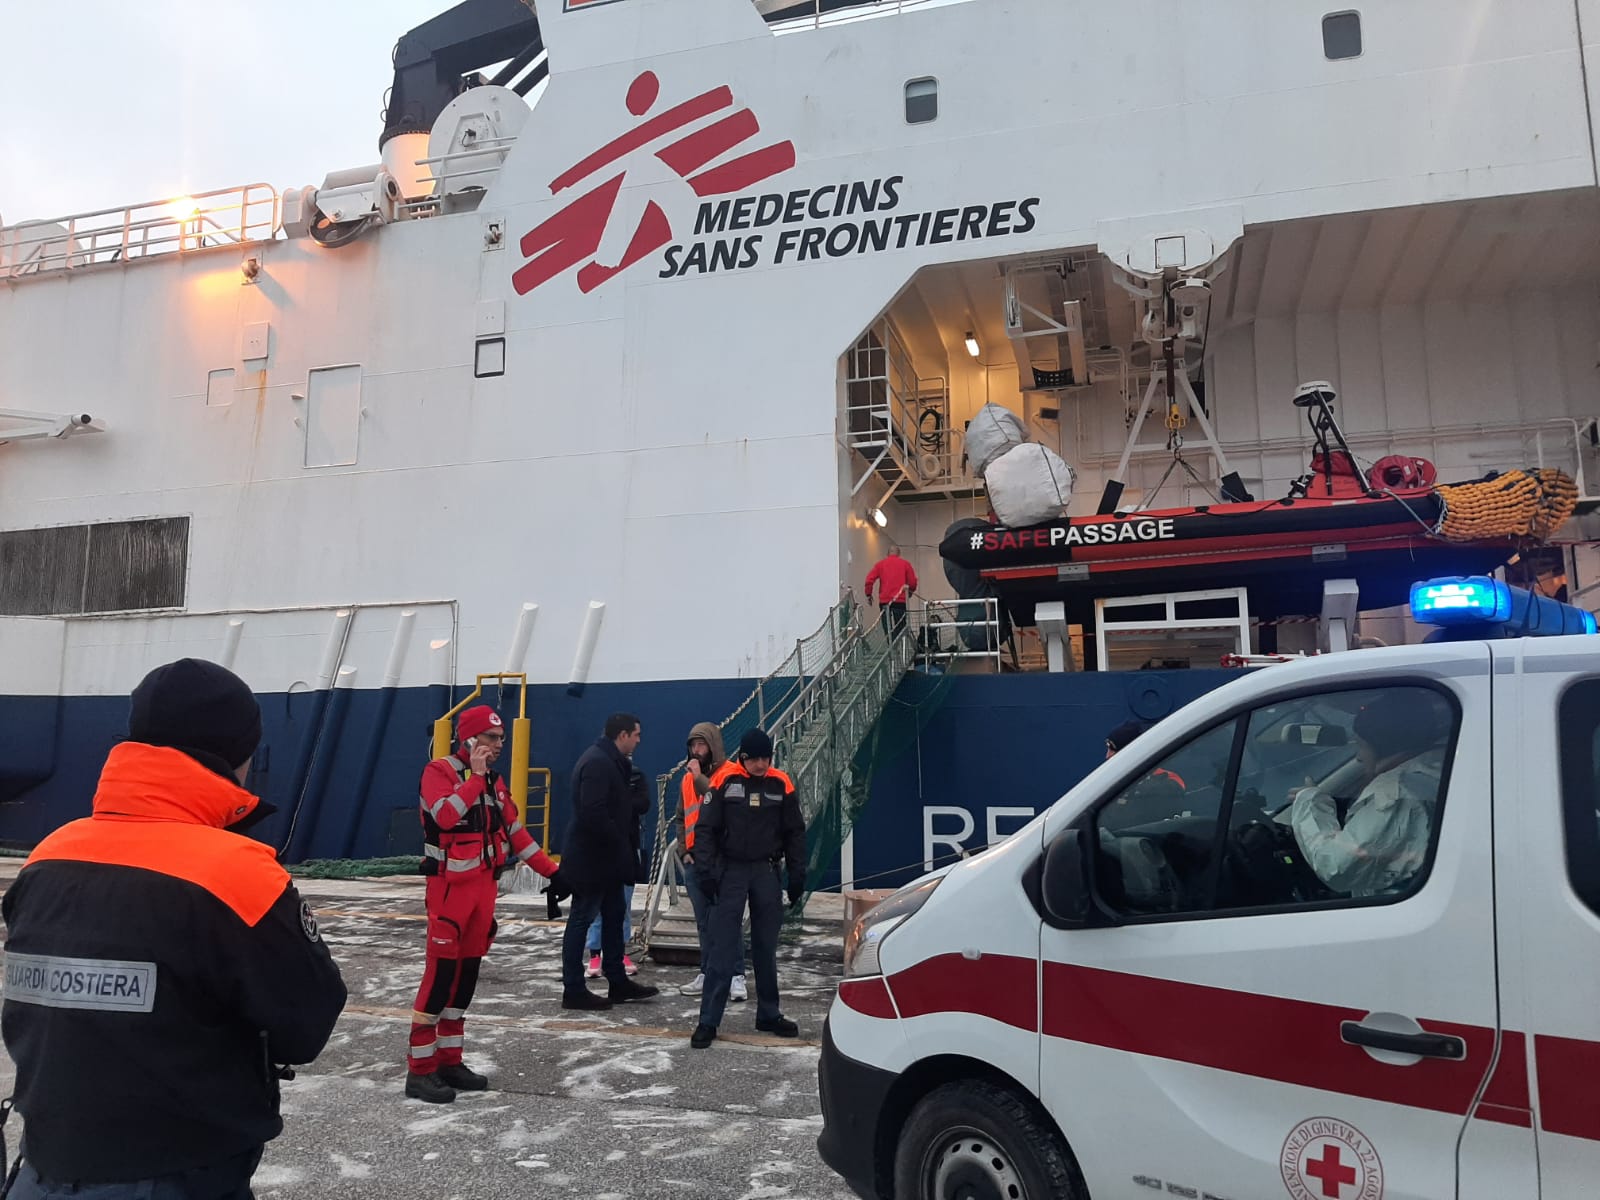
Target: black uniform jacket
x=157, y=967
x=752, y=818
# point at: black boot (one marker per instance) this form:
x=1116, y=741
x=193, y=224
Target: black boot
x=621, y=993
x=585, y=1001
x=779, y=1025
x=703, y=1036
x=463, y=1079
x=428, y=1088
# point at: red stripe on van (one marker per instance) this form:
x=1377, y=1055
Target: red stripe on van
x=1506, y=1098
x=1002, y=987
x=1569, y=1085
x=1269, y=1037
x=1503, y=1116
x=870, y=997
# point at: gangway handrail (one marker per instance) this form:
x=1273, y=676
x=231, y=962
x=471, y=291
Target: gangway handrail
x=865, y=662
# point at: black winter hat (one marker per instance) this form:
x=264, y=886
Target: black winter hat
x=1119, y=737
x=204, y=710
x=756, y=743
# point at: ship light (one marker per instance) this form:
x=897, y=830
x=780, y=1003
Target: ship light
x=878, y=517
x=1478, y=604
x=972, y=344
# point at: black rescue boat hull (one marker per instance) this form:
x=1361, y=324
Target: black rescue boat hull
x=1281, y=551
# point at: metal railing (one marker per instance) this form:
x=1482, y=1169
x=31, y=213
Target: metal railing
x=950, y=631
x=818, y=711
x=898, y=420
x=178, y=225
x=821, y=17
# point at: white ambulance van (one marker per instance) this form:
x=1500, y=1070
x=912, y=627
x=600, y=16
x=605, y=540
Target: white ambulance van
x=1331, y=932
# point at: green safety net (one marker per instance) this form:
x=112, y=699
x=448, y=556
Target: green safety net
x=356, y=868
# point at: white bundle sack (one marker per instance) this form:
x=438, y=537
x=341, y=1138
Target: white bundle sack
x=521, y=880
x=992, y=431
x=1028, y=484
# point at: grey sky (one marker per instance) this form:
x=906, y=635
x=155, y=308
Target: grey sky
x=108, y=103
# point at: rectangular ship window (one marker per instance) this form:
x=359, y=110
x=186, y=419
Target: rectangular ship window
x=1341, y=35
x=922, y=101
x=113, y=566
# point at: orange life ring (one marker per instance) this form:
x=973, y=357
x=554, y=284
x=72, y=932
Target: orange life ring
x=1402, y=473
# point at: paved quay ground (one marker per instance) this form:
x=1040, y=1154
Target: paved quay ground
x=607, y=1106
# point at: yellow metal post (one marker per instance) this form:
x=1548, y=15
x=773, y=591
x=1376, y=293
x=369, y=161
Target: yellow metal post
x=441, y=737
x=521, y=740
x=543, y=775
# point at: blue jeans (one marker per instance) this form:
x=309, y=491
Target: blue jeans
x=593, y=944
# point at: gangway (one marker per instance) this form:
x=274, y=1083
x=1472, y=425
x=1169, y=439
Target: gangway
x=820, y=706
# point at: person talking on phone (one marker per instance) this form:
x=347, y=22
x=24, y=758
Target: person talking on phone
x=471, y=835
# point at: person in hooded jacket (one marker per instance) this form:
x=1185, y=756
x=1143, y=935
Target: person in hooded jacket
x=704, y=758
x=161, y=970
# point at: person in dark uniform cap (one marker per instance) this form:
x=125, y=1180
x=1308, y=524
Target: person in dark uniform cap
x=750, y=846
x=161, y=970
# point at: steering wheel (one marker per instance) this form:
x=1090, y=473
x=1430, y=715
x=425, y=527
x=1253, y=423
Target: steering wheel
x=1265, y=857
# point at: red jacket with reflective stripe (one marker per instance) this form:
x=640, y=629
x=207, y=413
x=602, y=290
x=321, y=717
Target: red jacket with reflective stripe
x=466, y=823
x=895, y=579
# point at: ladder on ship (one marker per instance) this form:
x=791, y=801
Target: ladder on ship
x=820, y=707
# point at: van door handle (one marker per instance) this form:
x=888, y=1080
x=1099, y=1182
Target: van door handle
x=1428, y=1045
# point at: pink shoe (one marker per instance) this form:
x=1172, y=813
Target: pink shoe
x=627, y=965
x=594, y=968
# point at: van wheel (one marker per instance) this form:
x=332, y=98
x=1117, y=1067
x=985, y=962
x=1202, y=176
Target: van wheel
x=975, y=1141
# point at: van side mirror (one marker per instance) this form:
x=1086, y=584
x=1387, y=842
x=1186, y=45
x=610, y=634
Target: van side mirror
x=1064, y=883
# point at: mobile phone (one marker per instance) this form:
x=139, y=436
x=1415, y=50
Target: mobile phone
x=472, y=743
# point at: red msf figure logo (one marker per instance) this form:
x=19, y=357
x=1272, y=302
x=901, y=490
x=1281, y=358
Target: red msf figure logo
x=573, y=235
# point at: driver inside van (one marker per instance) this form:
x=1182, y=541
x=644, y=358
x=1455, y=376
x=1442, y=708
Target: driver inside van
x=1380, y=842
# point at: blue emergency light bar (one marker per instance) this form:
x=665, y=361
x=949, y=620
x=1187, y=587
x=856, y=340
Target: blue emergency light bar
x=1495, y=608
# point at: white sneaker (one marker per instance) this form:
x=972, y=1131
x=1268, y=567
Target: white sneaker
x=736, y=990
x=694, y=988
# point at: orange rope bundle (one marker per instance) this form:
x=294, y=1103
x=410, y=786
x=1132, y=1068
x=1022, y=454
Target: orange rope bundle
x=1532, y=503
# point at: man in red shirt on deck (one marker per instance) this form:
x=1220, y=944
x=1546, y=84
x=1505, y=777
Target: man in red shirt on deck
x=471, y=835
x=895, y=581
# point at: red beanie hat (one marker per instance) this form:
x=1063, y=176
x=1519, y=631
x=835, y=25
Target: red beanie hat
x=475, y=720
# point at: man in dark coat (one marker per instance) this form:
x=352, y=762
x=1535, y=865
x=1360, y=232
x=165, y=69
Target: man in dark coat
x=601, y=858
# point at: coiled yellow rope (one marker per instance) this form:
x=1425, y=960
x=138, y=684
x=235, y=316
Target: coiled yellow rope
x=1532, y=503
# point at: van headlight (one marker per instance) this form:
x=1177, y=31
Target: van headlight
x=862, y=943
